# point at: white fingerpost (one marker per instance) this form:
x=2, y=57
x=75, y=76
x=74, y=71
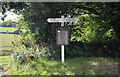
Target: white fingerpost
x=62, y=46
x=62, y=23
x=62, y=53
x=62, y=20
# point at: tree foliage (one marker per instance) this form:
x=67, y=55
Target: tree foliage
x=108, y=13
x=89, y=29
x=37, y=13
x=97, y=22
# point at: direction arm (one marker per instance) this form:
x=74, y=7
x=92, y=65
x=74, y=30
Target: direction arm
x=55, y=20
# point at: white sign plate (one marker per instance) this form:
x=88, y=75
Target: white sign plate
x=54, y=20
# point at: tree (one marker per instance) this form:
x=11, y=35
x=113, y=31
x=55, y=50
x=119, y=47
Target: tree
x=96, y=19
x=108, y=13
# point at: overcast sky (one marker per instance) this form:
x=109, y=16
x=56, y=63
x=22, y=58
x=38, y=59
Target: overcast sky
x=10, y=16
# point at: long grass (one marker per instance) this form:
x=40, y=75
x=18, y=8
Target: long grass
x=76, y=66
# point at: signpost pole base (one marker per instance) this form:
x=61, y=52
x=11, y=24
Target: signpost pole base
x=62, y=53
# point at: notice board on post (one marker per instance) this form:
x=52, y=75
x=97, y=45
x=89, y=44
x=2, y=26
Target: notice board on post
x=62, y=37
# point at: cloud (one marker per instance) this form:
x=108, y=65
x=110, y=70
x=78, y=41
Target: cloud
x=10, y=16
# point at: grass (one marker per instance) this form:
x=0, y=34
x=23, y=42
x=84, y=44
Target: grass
x=76, y=66
x=8, y=29
x=5, y=48
x=4, y=61
x=7, y=39
x=93, y=66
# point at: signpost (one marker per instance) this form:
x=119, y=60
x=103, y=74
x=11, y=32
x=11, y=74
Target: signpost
x=62, y=38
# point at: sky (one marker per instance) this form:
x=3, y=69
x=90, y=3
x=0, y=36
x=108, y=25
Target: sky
x=10, y=16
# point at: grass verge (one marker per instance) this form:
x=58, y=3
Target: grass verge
x=76, y=66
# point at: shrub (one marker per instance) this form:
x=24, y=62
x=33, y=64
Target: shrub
x=108, y=48
x=31, y=53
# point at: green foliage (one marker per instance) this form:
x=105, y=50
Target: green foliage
x=34, y=53
x=95, y=25
x=108, y=48
x=89, y=29
x=36, y=30
x=75, y=66
x=96, y=34
x=28, y=40
x=110, y=33
x=108, y=13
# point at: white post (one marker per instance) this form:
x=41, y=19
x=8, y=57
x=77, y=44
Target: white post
x=62, y=23
x=62, y=53
x=62, y=20
x=62, y=46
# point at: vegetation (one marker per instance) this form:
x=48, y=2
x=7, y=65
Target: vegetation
x=7, y=38
x=6, y=41
x=76, y=66
x=4, y=62
x=96, y=34
x=8, y=29
x=91, y=27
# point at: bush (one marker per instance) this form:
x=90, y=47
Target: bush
x=108, y=48
x=78, y=49
x=31, y=53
